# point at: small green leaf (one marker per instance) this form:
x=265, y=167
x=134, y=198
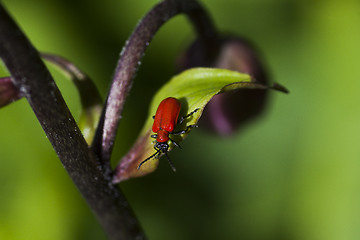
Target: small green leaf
x=194, y=88
x=88, y=121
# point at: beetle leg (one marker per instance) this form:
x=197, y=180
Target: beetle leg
x=175, y=143
x=185, y=130
x=154, y=136
x=181, y=119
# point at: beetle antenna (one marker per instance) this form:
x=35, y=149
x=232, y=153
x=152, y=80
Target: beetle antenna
x=157, y=152
x=170, y=162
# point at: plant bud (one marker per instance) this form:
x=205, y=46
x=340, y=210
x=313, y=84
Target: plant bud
x=8, y=91
x=226, y=112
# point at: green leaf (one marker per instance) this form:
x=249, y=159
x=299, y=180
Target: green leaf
x=88, y=121
x=194, y=88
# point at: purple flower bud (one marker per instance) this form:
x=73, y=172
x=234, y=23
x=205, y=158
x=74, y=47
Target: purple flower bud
x=226, y=112
x=8, y=91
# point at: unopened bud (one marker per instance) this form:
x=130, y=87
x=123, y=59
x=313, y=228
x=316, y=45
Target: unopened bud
x=226, y=112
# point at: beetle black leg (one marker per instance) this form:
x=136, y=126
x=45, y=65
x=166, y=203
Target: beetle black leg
x=181, y=119
x=185, y=130
x=154, y=136
x=175, y=143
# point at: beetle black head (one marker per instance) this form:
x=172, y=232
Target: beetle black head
x=162, y=146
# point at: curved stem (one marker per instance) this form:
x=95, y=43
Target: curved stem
x=130, y=60
x=89, y=94
x=30, y=75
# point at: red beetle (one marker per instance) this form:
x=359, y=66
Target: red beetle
x=165, y=121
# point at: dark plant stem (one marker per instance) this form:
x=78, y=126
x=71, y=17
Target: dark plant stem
x=30, y=75
x=130, y=59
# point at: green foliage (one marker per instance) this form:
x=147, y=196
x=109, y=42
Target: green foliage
x=194, y=88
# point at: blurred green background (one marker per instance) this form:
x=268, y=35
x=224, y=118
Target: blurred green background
x=291, y=175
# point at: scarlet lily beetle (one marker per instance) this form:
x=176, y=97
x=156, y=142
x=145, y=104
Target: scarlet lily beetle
x=165, y=121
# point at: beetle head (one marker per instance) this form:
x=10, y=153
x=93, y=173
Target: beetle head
x=162, y=146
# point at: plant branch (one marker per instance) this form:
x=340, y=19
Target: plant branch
x=130, y=59
x=30, y=75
